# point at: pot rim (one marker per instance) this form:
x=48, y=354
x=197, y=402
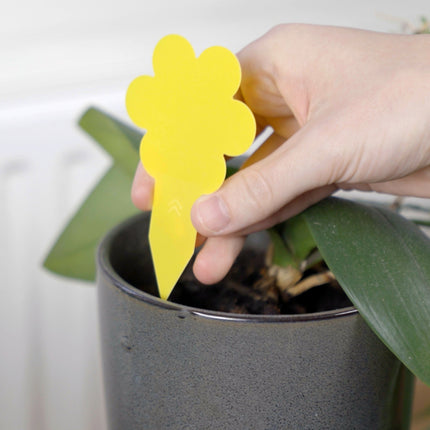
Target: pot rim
x=104, y=266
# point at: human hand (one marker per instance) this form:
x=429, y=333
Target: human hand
x=350, y=109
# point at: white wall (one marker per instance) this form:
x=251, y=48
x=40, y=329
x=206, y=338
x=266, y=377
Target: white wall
x=55, y=59
x=51, y=45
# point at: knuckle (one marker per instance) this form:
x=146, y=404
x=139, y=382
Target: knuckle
x=256, y=190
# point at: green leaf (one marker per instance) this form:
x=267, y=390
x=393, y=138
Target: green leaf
x=421, y=222
x=282, y=255
x=292, y=242
x=297, y=236
x=117, y=138
x=382, y=262
x=231, y=170
x=108, y=204
x=73, y=255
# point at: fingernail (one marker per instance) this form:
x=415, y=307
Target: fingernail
x=212, y=213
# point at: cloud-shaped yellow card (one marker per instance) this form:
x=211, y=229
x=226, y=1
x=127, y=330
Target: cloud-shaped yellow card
x=192, y=120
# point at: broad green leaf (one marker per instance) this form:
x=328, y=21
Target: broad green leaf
x=117, y=138
x=73, y=255
x=382, y=262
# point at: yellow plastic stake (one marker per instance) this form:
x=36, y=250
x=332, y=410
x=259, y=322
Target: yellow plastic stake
x=192, y=120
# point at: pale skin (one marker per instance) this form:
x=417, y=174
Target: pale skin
x=350, y=109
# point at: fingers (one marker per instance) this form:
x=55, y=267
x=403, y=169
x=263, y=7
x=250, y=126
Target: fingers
x=219, y=253
x=259, y=89
x=291, y=209
x=216, y=257
x=263, y=189
x=142, y=189
x=416, y=184
x=271, y=144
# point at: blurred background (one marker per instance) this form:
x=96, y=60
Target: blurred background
x=56, y=59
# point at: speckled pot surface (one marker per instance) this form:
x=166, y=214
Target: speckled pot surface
x=167, y=366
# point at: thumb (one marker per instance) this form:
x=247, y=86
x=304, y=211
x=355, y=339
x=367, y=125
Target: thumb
x=264, y=188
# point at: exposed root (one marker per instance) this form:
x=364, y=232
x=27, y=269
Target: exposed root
x=308, y=283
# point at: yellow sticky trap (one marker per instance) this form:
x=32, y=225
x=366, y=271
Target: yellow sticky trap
x=192, y=120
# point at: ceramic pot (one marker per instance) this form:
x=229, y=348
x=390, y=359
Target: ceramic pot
x=168, y=366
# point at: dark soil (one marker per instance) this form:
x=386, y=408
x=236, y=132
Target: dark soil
x=245, y=291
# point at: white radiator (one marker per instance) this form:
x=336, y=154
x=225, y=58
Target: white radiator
x=50, y=373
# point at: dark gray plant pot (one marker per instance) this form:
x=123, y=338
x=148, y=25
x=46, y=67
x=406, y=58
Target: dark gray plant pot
x=171, y=367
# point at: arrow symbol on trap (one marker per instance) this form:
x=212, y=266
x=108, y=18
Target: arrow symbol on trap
x=175, y=206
